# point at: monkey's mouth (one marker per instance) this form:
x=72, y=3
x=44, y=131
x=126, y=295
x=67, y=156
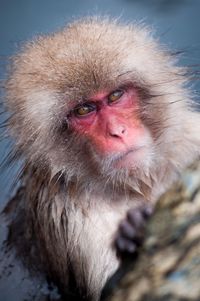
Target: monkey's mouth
x=129, y=158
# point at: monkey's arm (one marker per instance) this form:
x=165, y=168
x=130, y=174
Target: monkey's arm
x=168, y=265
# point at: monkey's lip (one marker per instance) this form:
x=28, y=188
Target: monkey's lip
x=132, y=150
x=128, y=157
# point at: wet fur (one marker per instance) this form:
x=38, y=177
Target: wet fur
x=73, y=200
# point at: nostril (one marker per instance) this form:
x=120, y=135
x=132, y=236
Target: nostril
x=114, y=135
x=123, y=131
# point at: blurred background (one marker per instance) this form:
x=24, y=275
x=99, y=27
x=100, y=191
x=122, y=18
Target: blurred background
x=176, y=23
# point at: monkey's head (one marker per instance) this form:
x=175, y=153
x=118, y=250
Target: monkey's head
x=97, y=99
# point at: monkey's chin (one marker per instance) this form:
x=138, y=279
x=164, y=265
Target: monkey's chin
x=131, y=159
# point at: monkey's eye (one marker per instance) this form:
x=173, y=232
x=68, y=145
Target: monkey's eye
x=84, y=109
x=114, y=96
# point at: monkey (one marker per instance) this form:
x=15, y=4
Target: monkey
x=102, y=117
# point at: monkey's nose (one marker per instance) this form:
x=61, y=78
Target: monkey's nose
x=117, y=131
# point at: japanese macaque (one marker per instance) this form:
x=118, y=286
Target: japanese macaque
x=101, y=115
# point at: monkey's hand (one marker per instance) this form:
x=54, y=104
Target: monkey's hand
x=131, y=230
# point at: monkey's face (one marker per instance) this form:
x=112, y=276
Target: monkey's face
x=112, y=127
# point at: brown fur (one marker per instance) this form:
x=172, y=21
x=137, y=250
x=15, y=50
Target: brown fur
x=73, y=201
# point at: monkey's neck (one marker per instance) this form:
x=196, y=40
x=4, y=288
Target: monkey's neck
x=83, y=193
x=85, y=190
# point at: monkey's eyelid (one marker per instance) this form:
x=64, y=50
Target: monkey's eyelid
x=91, y=107
x=78, y=106
x=115, y=95
x=85, y=104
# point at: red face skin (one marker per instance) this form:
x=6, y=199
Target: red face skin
x=110, y=122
